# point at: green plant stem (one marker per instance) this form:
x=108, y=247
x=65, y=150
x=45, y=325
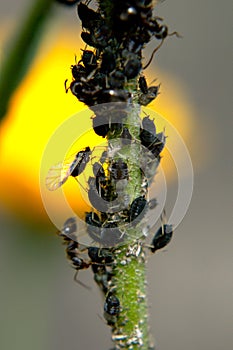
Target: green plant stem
x=129, y=272
x=130, y=283
x=22, y=50
x=131, y=330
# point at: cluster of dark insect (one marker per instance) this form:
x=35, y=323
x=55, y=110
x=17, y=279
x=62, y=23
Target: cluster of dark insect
x=110, y=75
x=102, y=73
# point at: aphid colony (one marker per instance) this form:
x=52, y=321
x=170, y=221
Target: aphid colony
x=102, y=74
x=101, y=261
x=109, y=79
x=112, y=210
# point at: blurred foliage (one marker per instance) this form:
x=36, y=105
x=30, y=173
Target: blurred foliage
x=22, y=49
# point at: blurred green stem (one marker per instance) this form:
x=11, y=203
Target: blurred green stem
x=22, y=49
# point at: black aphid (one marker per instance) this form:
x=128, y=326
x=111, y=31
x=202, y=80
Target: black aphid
x=162, y=237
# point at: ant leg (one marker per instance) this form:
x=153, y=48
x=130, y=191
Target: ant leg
x=152, y=55
x=80, y=184
x=79, y=282
x=176, y=34
x=66, y=88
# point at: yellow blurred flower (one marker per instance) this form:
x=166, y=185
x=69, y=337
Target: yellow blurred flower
x=39, y=106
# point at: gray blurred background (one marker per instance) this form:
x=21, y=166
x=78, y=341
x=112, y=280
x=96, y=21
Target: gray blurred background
x=191, y=284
